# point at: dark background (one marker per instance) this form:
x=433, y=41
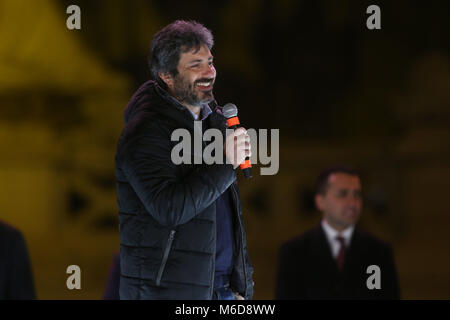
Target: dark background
x=338, y=92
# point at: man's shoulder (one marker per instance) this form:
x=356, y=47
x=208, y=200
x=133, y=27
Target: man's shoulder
x=141, y=116
x=8, y=231
x=10, y=235
x=302, y=240
x=144, y=103
x=370, y=240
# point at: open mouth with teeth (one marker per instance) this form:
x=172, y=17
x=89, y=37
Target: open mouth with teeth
x=205, y=85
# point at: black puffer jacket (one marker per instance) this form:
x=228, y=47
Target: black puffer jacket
x=167, y=213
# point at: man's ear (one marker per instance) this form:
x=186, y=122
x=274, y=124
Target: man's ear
x=167, y=78
x=319, y=200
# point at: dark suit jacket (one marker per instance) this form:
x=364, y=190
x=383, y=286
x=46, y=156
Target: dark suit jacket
x=16, y=280
x=307, y=269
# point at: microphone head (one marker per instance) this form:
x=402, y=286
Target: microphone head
x=229, y=110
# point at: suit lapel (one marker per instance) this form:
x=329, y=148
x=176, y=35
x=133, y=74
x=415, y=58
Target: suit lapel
x=323, y=251
x=355, y=252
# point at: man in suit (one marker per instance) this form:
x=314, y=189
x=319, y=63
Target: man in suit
x=331, y=261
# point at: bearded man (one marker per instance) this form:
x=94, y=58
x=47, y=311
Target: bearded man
x=181, y=229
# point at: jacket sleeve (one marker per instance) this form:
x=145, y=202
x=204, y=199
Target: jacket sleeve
x=171, y=200
x=288, y=283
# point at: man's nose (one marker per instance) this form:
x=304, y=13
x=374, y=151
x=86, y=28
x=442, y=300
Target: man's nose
x=352, y=201
x=209, y=72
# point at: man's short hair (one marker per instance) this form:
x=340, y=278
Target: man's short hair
x=176, y=38
x=322, y=179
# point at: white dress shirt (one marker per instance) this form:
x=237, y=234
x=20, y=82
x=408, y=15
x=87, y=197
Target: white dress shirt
x=331, y=235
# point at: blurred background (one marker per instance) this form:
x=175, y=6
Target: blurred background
x=339, y=93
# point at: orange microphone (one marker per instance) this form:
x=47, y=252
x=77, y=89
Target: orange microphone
x=230, y=112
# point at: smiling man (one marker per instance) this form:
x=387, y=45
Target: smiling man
x=192, y=84
x=181, y=229
x=331, y=260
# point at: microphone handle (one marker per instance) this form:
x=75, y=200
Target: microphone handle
x=247, y=171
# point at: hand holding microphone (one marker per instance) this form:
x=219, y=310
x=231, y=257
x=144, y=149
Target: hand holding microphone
x=237, y=145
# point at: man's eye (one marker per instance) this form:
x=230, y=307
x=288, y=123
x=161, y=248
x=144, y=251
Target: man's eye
x=195, y=66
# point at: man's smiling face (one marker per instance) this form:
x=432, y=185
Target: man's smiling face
x=193, y=85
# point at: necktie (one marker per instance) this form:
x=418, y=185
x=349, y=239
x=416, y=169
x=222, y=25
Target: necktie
x=341, y=255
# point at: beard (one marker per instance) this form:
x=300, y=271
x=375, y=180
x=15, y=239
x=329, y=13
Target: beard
x=185, y=92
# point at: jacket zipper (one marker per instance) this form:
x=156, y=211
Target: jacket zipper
x=166, y=255
x=241, y=237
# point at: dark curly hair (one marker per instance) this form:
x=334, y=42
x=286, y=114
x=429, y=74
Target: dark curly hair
x=176, y=38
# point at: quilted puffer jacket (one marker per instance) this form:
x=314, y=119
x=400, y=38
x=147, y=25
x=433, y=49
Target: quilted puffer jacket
x=167, y=213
